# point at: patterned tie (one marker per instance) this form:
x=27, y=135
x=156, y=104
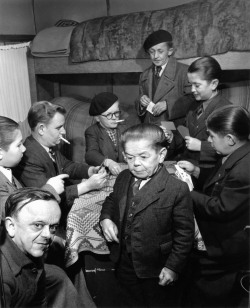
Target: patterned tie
x=52, y=154
x=199, y=111
x=157, y=71
x=135, y=186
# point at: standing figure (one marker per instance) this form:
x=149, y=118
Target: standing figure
x=103, y=137
x=204, y=76
x=222, y=211
x=163, y=83
x=148, y=221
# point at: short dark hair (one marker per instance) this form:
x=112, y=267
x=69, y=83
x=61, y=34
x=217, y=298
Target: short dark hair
x=43, y=112
x=151, y=132
x=23, y=196
x=207, y=66
x=7, y=132
x=230, y=119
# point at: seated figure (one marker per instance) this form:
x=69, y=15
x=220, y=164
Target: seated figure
x=103, y=137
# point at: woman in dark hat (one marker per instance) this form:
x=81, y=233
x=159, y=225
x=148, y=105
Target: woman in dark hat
x=163, y=82
x=103, y=137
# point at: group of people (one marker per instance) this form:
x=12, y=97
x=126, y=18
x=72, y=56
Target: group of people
x=151, y=218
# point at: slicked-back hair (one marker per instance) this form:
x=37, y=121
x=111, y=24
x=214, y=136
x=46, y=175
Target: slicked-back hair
x=8, y=129
x=43, y=112
x=150, y=132
x=23, y=196
x=207, y=66
x=234, y=120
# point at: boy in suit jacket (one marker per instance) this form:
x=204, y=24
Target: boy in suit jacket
x=163, y=83
x=147, y=220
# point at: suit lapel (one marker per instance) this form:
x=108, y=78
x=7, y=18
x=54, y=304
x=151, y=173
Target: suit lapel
x=150, y=193
x=166, y=82
x=229, y=163
x=124, y=194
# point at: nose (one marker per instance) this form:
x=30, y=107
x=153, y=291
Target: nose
x=23, y=148
x=137, y=161
x=63, y=131
x=193, y=88
x=209, y=139
x=46, y=232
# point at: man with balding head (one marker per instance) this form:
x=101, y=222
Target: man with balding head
x=163, y=83
x=32, y=217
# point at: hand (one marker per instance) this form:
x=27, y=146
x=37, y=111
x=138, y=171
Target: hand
x=110, y=230
x=113, y=166
x=57, y=182
x=145, y=100
x=94, y=170
x=189, y=168
x=167, y=277
x=96, y=181
x=159, y=108
x=168, y=134
x=193, y=144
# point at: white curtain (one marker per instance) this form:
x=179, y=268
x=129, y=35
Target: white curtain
x=15, y=99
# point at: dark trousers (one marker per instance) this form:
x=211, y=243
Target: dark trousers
x=146, y=292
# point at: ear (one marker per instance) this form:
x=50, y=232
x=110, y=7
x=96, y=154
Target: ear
x=10, y=226
x=170, y=51
x=97, y=118
x=231, y=139
x=40, y=128
x=1, y=153
x=214, y=84
x=163, y=153
x=124, y=156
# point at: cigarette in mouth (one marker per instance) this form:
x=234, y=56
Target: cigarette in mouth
x=65, y=140
x=120, y=120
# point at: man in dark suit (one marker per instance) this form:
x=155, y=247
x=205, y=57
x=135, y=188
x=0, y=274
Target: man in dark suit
x=163, y=83
x=148, y=220
x=32, y=217
x=42, y=160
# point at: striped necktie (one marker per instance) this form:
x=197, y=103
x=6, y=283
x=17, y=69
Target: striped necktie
x=136, y=186
x=199, y=111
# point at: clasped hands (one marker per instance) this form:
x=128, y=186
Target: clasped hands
x=158, y=107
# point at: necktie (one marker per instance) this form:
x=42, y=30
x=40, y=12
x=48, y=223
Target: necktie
x=157, y=71
x=135, y=186
x=199, y=111
x=52, y=155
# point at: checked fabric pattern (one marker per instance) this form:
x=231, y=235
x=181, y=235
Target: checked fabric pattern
x=83, y=232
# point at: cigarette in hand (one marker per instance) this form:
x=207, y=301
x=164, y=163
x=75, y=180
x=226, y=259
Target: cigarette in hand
x=119, y=120
x=65, y=140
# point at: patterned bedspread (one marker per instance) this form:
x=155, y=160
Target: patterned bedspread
x=204, y=27
x=83, y=231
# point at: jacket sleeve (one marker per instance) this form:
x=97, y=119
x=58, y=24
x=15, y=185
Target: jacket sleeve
x=93, y=154
x=228, y=197
x=141, y=111
x=183, y=230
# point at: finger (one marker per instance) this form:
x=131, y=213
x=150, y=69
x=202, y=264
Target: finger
x=62, y=176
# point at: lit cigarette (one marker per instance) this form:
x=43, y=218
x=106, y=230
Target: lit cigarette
x=63, y=139
x=120, y=120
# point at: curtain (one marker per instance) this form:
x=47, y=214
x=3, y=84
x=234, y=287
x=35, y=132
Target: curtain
x=15, y=99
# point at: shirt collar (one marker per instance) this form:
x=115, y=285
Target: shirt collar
x=6, y=172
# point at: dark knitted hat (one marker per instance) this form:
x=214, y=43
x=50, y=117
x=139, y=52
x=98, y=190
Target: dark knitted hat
x=102, y=102
x=157, y=37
